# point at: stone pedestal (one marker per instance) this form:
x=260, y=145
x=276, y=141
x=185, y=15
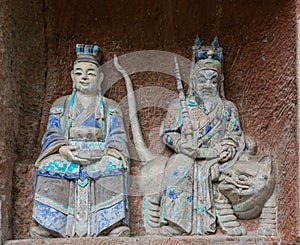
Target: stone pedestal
x=152, y=240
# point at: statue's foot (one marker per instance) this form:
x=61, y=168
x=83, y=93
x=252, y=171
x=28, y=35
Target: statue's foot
x=40, y=232
x=170, y=230
x=120, y=231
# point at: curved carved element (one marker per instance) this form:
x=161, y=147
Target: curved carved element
x=153, y=165
x=144, y=153
x=152, y=173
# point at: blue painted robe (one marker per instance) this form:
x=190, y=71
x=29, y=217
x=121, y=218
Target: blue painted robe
x=59, y=183
x=188, y=199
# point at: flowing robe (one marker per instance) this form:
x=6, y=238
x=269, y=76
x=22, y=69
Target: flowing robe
x=75, y=200
x=188, y=190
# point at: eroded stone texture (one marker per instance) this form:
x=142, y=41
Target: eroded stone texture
x=29, y=73
x=258, y=39
x=23, y=179
x=28, y=70
x=8, y=119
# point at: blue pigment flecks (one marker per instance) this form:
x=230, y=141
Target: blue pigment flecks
x=173, y=195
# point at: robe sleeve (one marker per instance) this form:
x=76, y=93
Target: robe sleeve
x=116, y=134
x=233, y=132
x=54, y=136
x=170, y=131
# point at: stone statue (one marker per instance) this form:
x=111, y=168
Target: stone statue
x=214, y=174
x=81, y=173
x=205, y=132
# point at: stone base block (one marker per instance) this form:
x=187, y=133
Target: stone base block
x=154, y=240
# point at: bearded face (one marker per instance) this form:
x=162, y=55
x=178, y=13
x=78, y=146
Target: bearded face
x=206, y=83
x=206, y=88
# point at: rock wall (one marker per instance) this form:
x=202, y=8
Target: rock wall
x=258, y=39
x=29, y=66
x=9, y=122
x=30, y=62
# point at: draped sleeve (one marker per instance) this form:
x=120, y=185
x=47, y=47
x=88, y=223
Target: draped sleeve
x=170, y=131
x=116, y=135
x=54, y=136
x=233, y=127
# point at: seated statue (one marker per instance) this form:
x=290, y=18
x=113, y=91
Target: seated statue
x=204, y=131
x=81, y=173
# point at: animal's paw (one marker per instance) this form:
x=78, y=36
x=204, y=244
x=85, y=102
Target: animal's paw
x=266, y=231
x=235, y=231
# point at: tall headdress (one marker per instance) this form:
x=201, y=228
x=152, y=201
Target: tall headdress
x=88, y=53
x=207, y=57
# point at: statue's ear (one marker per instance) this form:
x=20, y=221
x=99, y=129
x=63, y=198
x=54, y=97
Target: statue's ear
x=265, y=164
x=221, y=78
x=268, y=163
x=72, y=76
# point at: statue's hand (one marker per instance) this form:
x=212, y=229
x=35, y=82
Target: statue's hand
x=227, y=153
x=114, y=153
x=187, y=148
x=66, y=152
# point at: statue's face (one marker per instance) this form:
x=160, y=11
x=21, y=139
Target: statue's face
x=206, y=83
x=87, y=78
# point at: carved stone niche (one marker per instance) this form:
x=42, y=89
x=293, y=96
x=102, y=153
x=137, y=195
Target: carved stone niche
x=258, y=38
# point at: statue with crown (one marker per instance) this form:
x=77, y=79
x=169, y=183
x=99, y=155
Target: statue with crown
x=81, y=174
x=202, y=185
x=214, y=176
x=214, y=171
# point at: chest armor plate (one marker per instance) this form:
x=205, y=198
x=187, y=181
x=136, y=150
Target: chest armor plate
x=198, y=117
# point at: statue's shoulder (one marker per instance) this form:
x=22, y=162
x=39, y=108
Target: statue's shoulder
x=60, y=101
x=229, y=105
x=112, y=106
x=58, y=105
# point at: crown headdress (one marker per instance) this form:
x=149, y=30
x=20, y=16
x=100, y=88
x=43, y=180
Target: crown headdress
x=88, y=53
x=208, y=57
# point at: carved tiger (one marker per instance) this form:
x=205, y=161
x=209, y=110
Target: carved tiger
x=247, y=188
